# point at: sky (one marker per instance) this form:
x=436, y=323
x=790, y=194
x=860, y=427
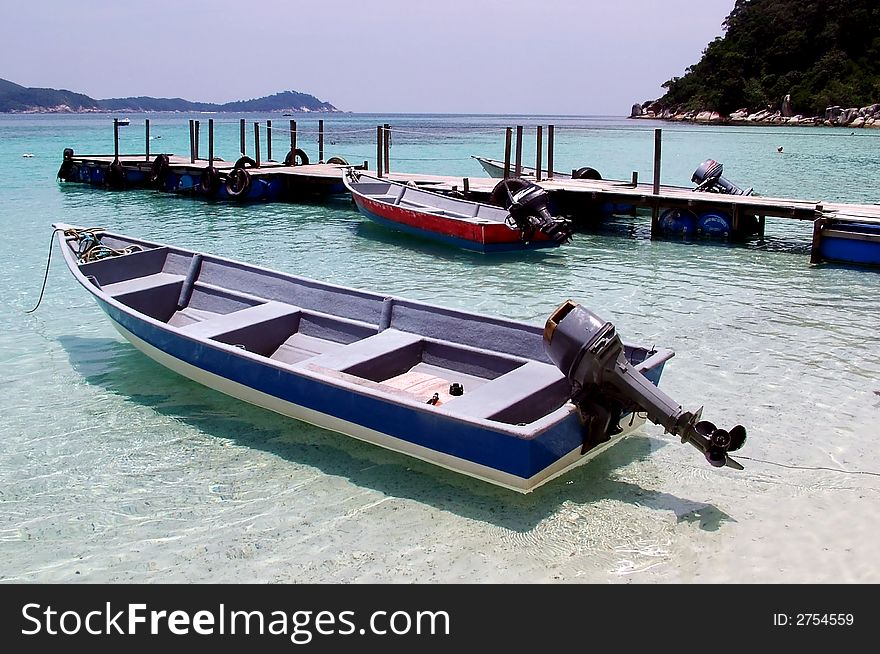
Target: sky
x=586, y=57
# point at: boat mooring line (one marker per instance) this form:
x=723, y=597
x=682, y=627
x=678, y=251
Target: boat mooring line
x=46, y=275
x=797, y=467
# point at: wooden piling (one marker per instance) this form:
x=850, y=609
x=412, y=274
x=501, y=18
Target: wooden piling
x=198, y=125
x=517, y=169
x=293, y=140
x=538, y=152
x=268, y=140
x=147, y=139
x=192, y=141
x=386, y=144
x=115, y=140
x=379, y=166
x=257, y=144
x=655, y=219
x=762, y=222
x=635, y=179
x=466, y=184
x=657, y=142
x=815, y=255
x=550, y=139
x=508, y=135
x=210, y=143
x=320, y=141
x=243, y=144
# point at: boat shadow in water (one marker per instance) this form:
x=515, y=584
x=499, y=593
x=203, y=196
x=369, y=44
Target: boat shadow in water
x=119, y=368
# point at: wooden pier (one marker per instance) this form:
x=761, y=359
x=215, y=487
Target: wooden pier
x=583, y=199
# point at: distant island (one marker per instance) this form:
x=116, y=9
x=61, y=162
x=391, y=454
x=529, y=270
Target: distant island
x=15, y=98
x=796, y=62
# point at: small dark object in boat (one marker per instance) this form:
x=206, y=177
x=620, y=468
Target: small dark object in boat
x=434, y=399
x=456, y=389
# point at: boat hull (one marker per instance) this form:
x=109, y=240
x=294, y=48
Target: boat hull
x=486, y=238
x=521, y=465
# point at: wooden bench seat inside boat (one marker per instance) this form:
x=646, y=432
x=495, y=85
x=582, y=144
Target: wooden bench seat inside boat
x=218, y=324
x=371, y=357
x=434, y=210
x=517, y=396
x=138, y=284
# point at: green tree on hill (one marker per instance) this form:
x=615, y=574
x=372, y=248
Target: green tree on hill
x=821, y=52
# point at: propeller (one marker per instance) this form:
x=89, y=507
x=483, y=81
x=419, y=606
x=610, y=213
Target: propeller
x=718, y=442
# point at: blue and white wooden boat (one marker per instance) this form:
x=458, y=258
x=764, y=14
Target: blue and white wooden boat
x=479, y=395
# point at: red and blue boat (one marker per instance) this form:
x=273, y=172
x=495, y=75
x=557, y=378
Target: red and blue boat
x=524, y=224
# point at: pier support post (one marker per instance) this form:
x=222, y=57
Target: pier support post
x=192, y=141
x=243, y=144
x=268, y=140
x=762, y=222
x=115, y=140
x=657, y=142
x=293, y=139
x=210, y=143
x=147, y=139
x=466, y=185
x=386, y=144
x=508, y=135
x=517, y=168
x=818, y=225
x=655, y=218
x=257, y=144
x=379, y=166
x=550, y=138
x=539, y=151
x=635, y=180
x=196, y=138
x=320, y=141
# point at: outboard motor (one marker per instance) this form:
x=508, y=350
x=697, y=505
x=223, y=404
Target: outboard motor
x=589, y=352
x=708, y=177
x=527, y=205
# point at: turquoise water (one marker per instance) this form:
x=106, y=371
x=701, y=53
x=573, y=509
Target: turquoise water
x=114, y=469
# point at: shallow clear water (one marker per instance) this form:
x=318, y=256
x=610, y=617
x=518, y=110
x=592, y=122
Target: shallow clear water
x=114, y=469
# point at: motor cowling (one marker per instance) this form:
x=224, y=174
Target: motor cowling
x=590, y=354
x=528, y=204
x=708, y=177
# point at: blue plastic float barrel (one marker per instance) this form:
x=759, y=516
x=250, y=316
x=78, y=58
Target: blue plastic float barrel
x=678, y=221
x=714, y=223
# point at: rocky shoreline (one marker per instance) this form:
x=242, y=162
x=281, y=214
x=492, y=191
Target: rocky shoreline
x=836, y=116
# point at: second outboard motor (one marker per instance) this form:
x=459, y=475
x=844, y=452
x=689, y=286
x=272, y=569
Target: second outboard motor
x=708, y=177
x=588, y=351
x=527, y=205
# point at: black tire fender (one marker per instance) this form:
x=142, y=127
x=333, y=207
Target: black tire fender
x=238, y=183
x=586, y=173
x=209, y=180
x=115, y=177
x=337, y=160
x=296, y=158
x=159, y=169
